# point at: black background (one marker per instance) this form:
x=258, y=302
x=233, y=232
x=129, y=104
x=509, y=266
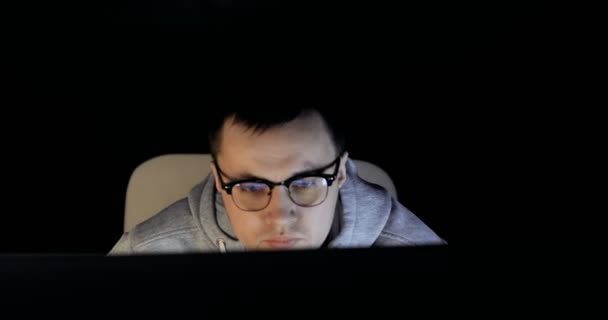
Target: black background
x=94, y=89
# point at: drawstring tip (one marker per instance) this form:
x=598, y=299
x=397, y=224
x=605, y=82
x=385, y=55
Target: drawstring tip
x=222, y=245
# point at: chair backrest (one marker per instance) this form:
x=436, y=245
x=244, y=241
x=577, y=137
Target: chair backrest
x=163, y=180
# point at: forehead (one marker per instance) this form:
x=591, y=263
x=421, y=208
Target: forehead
x=303, y=143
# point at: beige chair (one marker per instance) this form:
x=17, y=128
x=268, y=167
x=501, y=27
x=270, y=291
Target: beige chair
x=160, y=181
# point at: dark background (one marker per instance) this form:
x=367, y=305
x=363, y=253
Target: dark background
x=93, y=90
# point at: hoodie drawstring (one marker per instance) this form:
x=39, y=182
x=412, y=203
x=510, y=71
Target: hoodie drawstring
x=222, y=244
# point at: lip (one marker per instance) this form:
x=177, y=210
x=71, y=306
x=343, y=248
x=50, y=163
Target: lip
x=281, y=242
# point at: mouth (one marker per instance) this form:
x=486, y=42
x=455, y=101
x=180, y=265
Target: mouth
x=280, y=242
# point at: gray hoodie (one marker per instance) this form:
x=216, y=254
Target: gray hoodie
x=368, y=216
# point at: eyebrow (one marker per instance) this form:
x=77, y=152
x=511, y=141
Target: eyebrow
x=311, y=168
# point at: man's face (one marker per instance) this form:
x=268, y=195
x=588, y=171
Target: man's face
x=276, y=155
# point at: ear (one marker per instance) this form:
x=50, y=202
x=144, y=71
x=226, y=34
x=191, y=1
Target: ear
x=218, y=185
x=342, y=171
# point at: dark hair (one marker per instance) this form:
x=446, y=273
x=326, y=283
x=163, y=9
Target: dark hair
x=263, y=117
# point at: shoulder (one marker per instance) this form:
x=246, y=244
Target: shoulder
x=405, y=228
x=172, y=228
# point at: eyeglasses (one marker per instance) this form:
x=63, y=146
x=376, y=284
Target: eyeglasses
x=306, y=190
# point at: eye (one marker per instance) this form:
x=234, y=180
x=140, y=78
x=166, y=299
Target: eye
x=252, y=187
x=305, y=183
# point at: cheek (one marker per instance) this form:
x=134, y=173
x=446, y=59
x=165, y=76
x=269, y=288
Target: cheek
x=319, y=221
x=245, y=225
x=332, y=198
x=246, y=228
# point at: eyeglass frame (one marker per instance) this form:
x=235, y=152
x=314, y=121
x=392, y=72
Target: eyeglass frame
x=316, y=173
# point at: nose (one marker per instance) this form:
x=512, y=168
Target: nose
x=281, y=210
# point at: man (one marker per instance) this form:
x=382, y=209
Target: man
x=280, y=180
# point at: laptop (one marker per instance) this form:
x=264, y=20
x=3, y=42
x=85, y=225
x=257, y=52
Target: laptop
x=213, y=279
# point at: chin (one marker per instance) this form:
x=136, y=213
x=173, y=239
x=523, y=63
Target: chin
x=299, y=244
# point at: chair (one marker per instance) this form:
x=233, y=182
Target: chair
x=161, y=181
